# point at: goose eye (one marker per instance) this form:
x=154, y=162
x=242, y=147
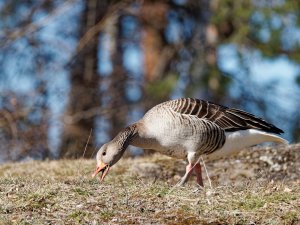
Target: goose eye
x=104, y=153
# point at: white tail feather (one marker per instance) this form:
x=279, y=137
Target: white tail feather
x=238, y=140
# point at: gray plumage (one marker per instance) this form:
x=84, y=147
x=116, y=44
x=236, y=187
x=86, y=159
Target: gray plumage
x=189, y=128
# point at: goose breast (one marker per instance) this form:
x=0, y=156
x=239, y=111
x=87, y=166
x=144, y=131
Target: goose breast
x=177, y=134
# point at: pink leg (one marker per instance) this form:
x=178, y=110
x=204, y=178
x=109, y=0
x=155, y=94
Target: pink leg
x=188, y=172
x=198, y=173
x=189, y=168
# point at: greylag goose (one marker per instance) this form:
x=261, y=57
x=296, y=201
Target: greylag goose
x=188, y=128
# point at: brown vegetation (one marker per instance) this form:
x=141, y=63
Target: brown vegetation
x=259, y=186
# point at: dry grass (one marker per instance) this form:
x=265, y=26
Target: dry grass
x=63, y=192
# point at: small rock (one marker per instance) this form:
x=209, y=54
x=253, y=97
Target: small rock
x=275, y=167
x=209, y=193
x=286, y=189
x=79, y=206
x=266, y=159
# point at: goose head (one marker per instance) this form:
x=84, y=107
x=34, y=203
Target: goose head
x=107, y=156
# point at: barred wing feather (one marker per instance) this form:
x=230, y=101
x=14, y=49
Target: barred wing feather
x=228, y=119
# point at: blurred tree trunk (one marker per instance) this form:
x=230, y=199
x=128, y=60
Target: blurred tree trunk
x=118, y=104
x=215, y=81
x=156, y=50
x=192, y=54
x=84, y=92
x=39, y=138
x=153, y=17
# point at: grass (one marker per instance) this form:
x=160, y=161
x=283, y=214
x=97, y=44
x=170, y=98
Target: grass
x=63, y=192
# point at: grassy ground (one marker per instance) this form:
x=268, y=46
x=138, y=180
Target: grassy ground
x=259, y=186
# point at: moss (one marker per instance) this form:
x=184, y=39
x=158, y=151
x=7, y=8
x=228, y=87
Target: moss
x=107, y=214
x=81, y=191
x=252, y=202
x=282, y=196
x=292, y=217
x=77, y=216
x=158, y=190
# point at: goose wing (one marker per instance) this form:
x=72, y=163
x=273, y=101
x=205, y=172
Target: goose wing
x=229, y=119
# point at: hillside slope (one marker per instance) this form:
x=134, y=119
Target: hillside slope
x=259, y=186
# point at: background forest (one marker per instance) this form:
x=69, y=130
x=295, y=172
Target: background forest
x=73, y=73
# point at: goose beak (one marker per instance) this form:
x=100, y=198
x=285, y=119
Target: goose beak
x=101, y=167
